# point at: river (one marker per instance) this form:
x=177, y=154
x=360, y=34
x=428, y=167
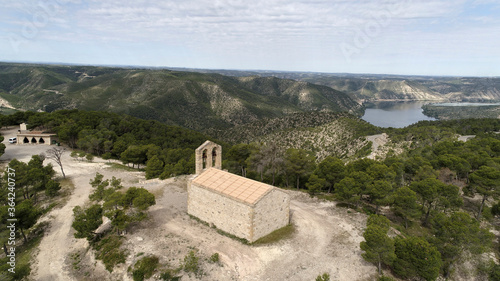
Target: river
x=396, y=114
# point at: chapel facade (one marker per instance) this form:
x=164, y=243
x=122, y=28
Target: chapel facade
x=237, y=205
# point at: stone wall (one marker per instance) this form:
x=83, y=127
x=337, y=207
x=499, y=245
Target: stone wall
x=225, y=213
x=271, y=212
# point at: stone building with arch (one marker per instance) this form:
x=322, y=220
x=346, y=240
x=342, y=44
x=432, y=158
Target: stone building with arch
x=237, y=205
x=208, y=155
x=24, y=136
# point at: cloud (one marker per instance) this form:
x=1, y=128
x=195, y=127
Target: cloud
x=263, y=32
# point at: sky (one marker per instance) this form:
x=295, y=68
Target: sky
x=407, y=37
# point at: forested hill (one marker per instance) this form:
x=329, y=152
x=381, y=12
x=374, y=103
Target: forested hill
x=374, y=87
x=193, y=100
x=414, y=88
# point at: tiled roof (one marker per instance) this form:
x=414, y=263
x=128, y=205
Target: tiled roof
x=231, y=185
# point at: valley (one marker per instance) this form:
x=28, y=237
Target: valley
x=192, y=100
x=386, y=87
x=365, y=200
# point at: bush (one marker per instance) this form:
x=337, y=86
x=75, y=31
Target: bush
x=324, y=277
x=89, y=157
x=494, y=272
x=108, y=250
x=52, y=188
x=169, y=275
x=214, y=258
x=191, y=263
x=107, y=156
x=144, y=268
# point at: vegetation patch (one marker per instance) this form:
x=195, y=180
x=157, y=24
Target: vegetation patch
x=191, y=263
x=220, y=231
x=214, y=258
x=170, y=275
x=234, y=237
x=461, y=112
x=277, y=235
x=323, y=277
x=144, y=268
x=22, y=196
x=109, y=252
x=364, y=151
x=117, y=166
x=24, y=254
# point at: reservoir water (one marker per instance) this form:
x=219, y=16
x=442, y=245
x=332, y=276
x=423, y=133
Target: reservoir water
x=396, y=114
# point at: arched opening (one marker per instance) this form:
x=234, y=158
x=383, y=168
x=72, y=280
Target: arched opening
x=214, y=156
x=26, y=140
x=204, y=159
x=33, y=140
x=41, y=141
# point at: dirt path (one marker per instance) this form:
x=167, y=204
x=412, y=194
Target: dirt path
x=52, y=261
x=377, y=141
x=58, y=242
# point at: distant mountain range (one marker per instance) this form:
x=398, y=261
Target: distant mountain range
x=377, y=87
x=200, y=101
x=212, y=101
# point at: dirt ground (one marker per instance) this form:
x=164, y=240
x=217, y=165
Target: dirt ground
x=326, y=238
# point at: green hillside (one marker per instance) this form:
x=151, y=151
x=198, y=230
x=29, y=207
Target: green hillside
x=193, y=100
x=412, y=88
x=375, y=87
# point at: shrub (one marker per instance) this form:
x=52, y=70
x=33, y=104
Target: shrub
x=169, y=275
x=324, y=277
x=89, y=157
x=214, y=258
x=191, y=263
x=144, y=268
x=108, y=250
x=52, y=188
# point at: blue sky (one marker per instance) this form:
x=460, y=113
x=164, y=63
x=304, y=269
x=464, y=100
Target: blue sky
x=426, y=37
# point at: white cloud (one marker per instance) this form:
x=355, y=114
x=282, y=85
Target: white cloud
x=260, y=32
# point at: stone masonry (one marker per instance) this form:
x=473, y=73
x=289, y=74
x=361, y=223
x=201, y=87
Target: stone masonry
x=209, y=154
x=237, y=205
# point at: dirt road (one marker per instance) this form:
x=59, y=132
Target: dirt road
x=51, y=261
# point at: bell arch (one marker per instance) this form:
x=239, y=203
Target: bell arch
x=208, y=155
x=214, y=156
x=204, y=159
